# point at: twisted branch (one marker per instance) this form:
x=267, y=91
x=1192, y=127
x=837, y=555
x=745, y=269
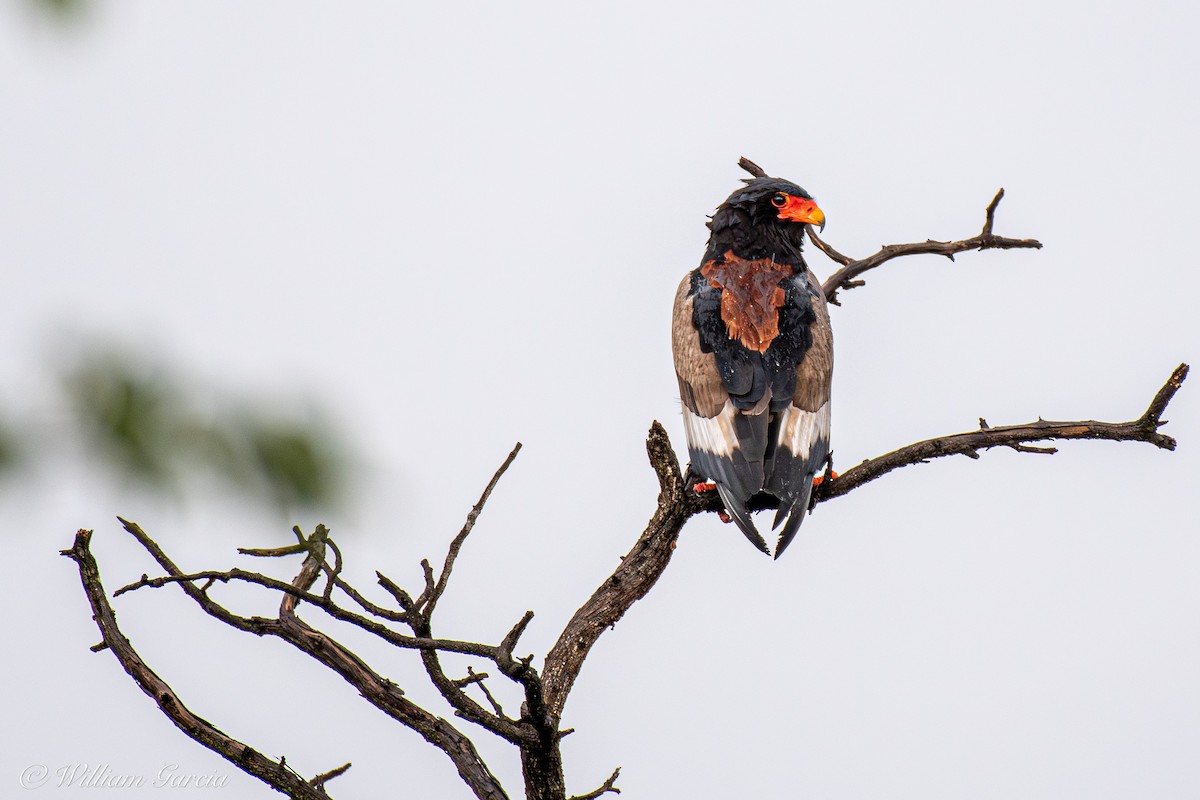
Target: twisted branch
x=373, y=687
x=638, y=572
x=435, y=593
x=845, y=278
x=609, y=785
x=275, y=774
x=1143, y=429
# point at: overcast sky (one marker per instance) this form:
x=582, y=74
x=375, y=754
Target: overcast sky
x=459, y=227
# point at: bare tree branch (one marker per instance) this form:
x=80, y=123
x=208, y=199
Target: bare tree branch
x=526, y=732
x=636, y=575
x=467, y=527
x=1143, y=429
x=754, y=169
x=334, y=610
x=478, y=678
x=506, y=728
x=609, y=785
x=844, y=278
x=274, y=773
x=326, y=777
x=377, y=690
x=403, y=598
x=1158, y=405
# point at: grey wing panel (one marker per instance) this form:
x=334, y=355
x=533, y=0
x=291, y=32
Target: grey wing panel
x=700, y=385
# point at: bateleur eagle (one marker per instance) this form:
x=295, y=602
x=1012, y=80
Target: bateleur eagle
x=754, y=356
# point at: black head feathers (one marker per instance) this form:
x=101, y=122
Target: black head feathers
x=760, y=220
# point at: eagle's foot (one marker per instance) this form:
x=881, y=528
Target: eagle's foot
x=819, y=479
x=710, y=486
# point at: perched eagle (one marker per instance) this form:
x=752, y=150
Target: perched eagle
x=754, y=356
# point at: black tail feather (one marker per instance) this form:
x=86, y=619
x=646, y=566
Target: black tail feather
x=741, y=516
x=794, y=512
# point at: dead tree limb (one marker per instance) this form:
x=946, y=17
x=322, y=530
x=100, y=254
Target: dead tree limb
x=1143, y=429
x=639, y=570
x=273, y=773
x=380, y=692
x=609, y=785
x=536, y=733
x=846, y=278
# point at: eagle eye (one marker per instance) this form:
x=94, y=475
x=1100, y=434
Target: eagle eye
x=779, y=200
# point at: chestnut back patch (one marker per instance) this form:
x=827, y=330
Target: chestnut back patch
x=750, y=297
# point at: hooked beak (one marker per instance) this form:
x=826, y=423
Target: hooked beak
x=799, y=209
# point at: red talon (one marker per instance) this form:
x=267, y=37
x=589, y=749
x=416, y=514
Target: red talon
x=710, y=486
x=819, y=479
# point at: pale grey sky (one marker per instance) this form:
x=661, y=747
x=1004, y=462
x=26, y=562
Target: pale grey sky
x=462, y=226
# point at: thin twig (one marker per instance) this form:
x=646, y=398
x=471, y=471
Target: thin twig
x=510, y=639
x=430, y=583
x=608, y=786
x=273, y=552
x=326, y=777
x=328, y=606
x=834, y=255
x=403, y=598
x=1027, y=448
x=844, y=278
x=421, y=620
x=471, y=677
x=1158, y=405
x=478, y=678
x=331, y=575
x=456, y=545
x=752, y=168
x=989, y=215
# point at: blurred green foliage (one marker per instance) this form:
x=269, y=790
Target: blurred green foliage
x=291, y=459
x=62, y=9
x=10, y=449
x=134, y=421
x=162, y=431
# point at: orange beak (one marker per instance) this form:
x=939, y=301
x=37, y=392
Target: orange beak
x=798, y=209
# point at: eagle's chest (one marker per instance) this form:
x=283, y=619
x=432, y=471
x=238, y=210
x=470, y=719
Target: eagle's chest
x=752, y=294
